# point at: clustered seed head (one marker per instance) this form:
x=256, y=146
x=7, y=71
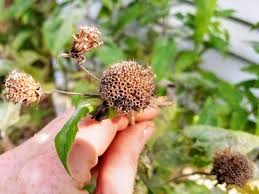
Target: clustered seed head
x=127, y=86
x=85, y=40
x=22, y=88
x=232, y=167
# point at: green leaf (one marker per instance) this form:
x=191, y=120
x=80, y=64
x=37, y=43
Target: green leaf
x=108, y=4
x=20, y=39
x=17, y=9
x=154, y=10
x=130, y=14
x=253, y=68
x=230, y=94
x=190, y=187
x=162, y=56
x=204, y=12
x=238, y=119
x=109, y=54
x=208, y=114
x=255, y=45
x=185, y=60
x=224, y=12
x=65, y=138
x=218, y=138
x=257, y=123
x=218, y=42
x=58, y=29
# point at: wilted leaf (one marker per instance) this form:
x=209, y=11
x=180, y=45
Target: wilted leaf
x=66, y=136
x=162, y=56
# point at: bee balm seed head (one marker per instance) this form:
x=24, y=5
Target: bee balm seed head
x=232, y=167
x=22, y=88
x=127, y=86
x=86, y=39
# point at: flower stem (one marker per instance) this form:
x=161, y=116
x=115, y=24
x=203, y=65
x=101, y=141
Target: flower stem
x=189, y=174
x=81, y=66
x=88, y=72
x=73, y=93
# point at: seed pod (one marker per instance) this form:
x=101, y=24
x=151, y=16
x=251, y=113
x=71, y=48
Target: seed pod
x=85, y=40
x=22, y=88
x=127, y=86
x=232, y=167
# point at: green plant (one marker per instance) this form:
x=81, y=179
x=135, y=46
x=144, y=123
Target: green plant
x=210, y=113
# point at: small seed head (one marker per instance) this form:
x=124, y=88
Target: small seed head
x=85, y=40
x=22, y=88
x=127, y=86
x=232, y=167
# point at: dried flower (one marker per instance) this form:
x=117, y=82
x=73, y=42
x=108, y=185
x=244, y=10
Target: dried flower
x=22, y=88
x=232, y=167
x=85, y=40
x=127, y=86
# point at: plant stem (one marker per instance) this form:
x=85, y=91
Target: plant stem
x=74, y=93
x=81, y=66
x=131, y=117
x=92, y=75
x=189, y=174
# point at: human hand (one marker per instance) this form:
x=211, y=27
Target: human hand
x=34, y=167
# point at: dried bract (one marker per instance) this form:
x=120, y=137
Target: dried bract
x=22, y=88
x=232, y=167
x=127, y=86
x=85, y=40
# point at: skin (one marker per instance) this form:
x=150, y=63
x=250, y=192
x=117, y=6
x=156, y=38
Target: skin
x=34, y=167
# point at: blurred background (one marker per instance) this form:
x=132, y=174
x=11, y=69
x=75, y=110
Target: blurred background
x=208, y=49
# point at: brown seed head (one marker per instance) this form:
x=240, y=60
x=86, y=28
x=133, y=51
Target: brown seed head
x=22, y=88
x=127, y=86
x=232, y=167
x=85, y=40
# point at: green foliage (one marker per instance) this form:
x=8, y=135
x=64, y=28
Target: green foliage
x=185, y=60
x=204, y=12
x=66, y=136
x=210, y=113
x=59, y=27
x=163, y=54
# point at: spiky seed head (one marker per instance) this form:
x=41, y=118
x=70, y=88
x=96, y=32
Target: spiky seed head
x=232, y=167
x=127, y=86
x=86, y=39
x=22, y=88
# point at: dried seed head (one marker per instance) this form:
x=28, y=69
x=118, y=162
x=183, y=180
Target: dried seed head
x=22, y=88
x=232, y=167
x=85, y=40
x=127, y=86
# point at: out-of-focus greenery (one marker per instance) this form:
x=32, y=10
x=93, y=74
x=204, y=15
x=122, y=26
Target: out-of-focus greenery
x=210, y=113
